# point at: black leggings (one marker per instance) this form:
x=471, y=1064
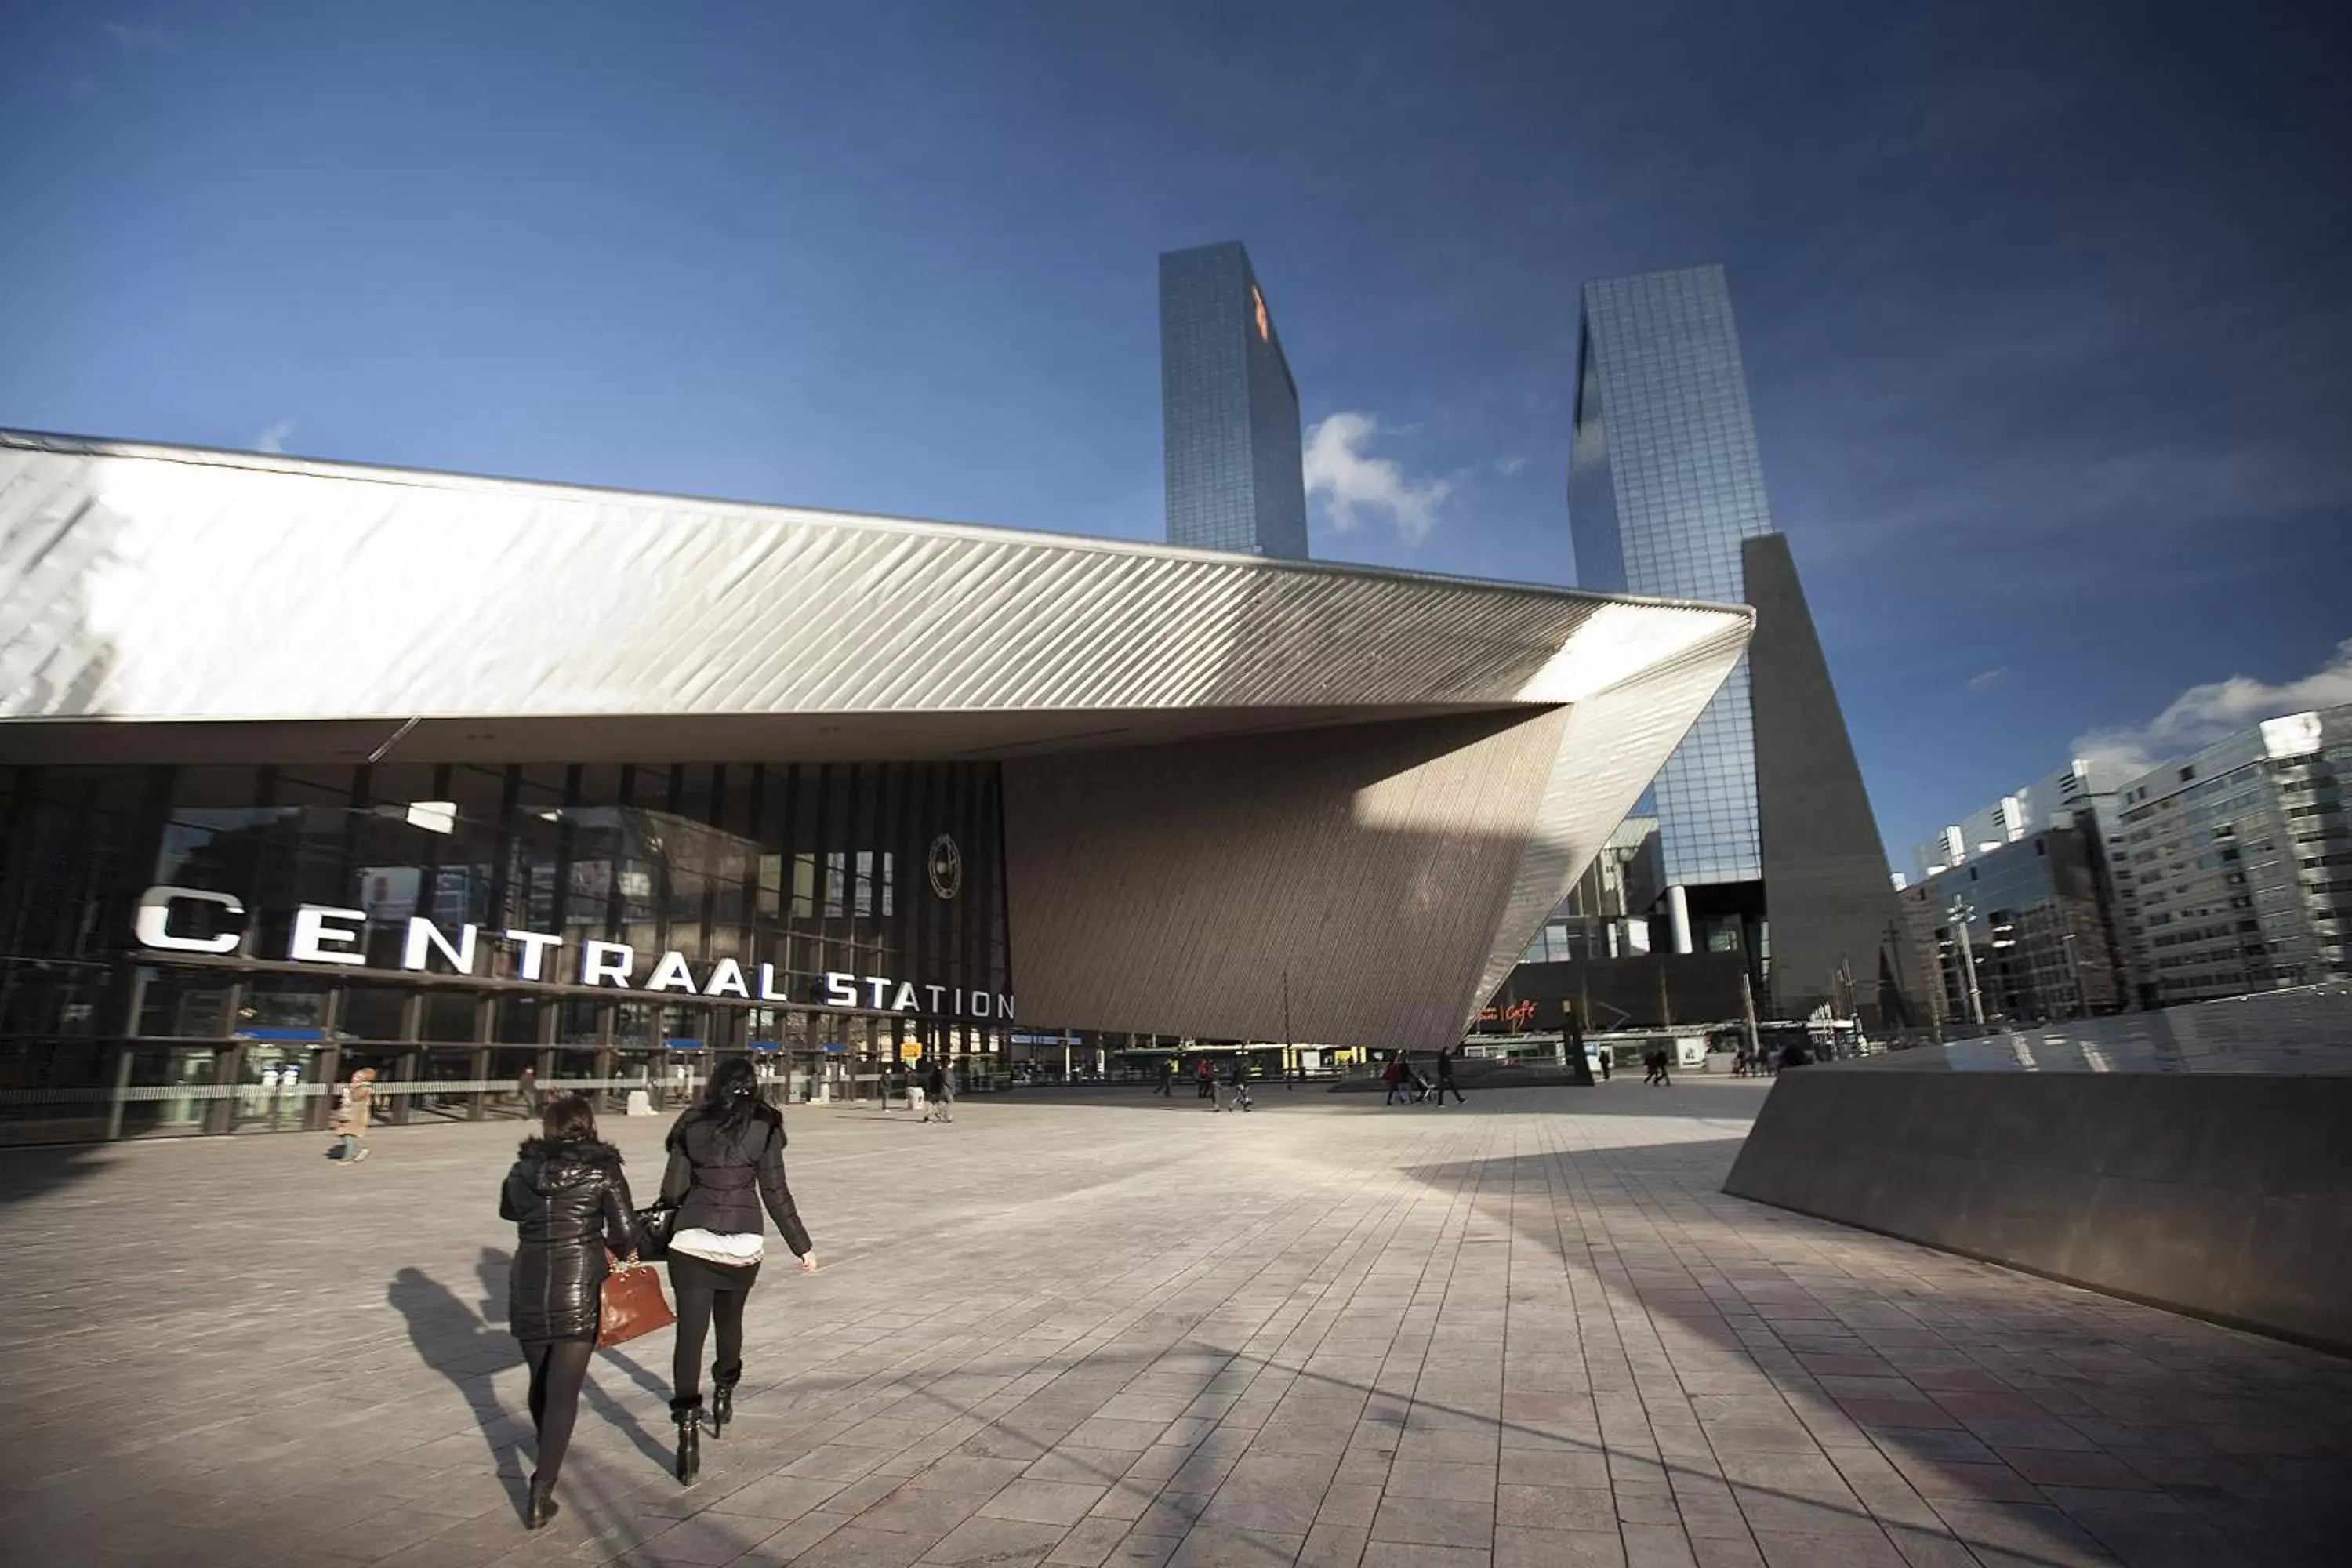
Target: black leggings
x=704, y=1296
x=558, y=1369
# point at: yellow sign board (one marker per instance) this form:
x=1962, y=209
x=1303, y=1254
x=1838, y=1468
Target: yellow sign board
x=911, y=1050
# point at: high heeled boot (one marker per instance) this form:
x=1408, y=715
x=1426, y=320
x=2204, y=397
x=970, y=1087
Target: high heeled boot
x=541, y=1507
x=688, y=1414
x=723, y=1380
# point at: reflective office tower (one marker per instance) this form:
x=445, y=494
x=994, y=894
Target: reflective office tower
x=1663, y=485
x=1666, y=497
x=1228, y=409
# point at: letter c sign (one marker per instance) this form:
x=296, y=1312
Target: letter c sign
x=154, y=920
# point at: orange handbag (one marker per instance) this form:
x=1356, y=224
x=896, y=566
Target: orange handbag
x=632, y=1304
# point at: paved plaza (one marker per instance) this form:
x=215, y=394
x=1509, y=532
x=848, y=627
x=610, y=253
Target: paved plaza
x=1119, y=1329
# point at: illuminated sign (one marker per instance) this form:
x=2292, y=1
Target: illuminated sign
x=321, y=934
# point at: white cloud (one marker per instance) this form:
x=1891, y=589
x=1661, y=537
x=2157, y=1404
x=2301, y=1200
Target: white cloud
x=1352, y=483
x=274, y=439
x=2204, y=714
x=1506, y=466
x=1988, y=680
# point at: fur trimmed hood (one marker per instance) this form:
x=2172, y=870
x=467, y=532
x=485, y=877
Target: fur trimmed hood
x=552, y=1164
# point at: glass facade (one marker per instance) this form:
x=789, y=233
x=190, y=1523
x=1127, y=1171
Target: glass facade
x=610, y=926
x=1663, y=484
x=1228, y=410
x=2242, y=862
x=2039, y=942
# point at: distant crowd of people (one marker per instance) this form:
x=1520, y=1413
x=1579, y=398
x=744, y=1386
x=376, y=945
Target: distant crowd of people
x=1763, y=1061
x=1223, y=1082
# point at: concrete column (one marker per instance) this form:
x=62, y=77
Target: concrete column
x=1678, y=913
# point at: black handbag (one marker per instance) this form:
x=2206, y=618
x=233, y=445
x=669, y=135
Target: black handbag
x=655, y=1227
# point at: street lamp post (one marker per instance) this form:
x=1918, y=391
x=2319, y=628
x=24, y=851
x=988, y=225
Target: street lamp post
x=1961, y=914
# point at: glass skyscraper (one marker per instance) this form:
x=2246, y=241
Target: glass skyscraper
x=1228, y=408
x=1663, y=487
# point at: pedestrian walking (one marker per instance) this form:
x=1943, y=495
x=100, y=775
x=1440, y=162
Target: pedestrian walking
x=936, y=1082
x=568, y=1202
x=1168, y=1078
x=1201, y=1077
x=726, y=1162
x=350, y=1123
x=526, y=1090
x=1445, y=1078
x=1394, y=1075
x=1608, y=1062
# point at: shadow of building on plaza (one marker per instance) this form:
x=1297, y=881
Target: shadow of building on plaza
x=1713, y=1096
x=1768, y=1309
x=30, y=1173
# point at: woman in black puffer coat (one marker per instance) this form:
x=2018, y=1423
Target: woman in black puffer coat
x=569, y=1202
x=726, y=1163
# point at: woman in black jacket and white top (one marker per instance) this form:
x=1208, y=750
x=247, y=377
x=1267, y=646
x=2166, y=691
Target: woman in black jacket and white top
x=569, y=1202
x=726, y=1161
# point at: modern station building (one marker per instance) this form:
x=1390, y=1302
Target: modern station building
x=311, y=767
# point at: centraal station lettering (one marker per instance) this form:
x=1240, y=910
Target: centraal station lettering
x=321, y=933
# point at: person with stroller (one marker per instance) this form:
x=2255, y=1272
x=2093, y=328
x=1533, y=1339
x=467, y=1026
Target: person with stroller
x=1445, y=1084
x=1239, y=1084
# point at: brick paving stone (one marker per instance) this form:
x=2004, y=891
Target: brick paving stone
x=1556, y=1508
x=1143, y=1552
x=1534, y=1332
x=1399, y=1555
x=1209, y=1546
x=1520, y=1548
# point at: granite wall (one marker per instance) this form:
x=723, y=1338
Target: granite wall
x=2226, y=1197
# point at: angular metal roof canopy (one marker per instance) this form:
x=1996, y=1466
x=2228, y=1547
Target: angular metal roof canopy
x=167, y=604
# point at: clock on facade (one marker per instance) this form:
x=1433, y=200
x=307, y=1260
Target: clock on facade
x=945, y=864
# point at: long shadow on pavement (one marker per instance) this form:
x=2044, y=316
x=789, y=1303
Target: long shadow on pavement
x=454, y=1341
x=2039, y=1427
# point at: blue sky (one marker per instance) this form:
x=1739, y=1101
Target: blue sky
x=2044, y=309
